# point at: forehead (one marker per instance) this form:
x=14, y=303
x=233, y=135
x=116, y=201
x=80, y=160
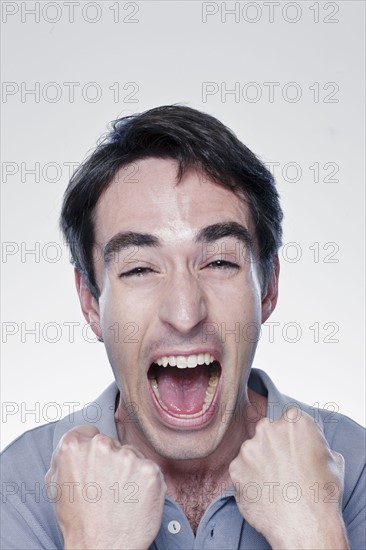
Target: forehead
x=146, y=197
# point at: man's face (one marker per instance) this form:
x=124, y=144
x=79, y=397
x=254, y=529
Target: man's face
x=179, y=285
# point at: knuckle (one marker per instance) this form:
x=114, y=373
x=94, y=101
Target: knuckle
x=245, y=445
x=291, y=414
x=102, y=440
x=232, y=468
x=246, y=448
x=127, y=453
x=248, y=454
x=72, y=440
x=339, y=458
x=262, y=424
x=87, y=431
x=47, y=477
x=149, y=468
x=69, y=441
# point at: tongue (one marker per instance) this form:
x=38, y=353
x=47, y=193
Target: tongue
x=183, y=390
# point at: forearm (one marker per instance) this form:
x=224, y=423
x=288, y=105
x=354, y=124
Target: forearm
x=329, y=534
x=82, y=541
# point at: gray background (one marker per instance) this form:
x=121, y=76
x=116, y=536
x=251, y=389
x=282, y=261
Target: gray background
x=125, y=57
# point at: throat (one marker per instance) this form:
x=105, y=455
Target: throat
x=185, y=391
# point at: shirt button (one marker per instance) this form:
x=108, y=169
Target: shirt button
x=174, y=527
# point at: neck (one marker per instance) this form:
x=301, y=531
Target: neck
x=211, y=469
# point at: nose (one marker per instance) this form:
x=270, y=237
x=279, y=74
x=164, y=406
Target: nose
x=183, y=305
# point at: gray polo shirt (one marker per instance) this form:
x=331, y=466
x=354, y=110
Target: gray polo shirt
x=27, y=517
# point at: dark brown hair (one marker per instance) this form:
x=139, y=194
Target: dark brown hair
x=193, y=139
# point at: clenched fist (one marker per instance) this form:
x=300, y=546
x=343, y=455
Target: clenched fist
x=109, y=496
x=289, y=484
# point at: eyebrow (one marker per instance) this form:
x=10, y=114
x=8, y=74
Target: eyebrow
x=210, y=233
x=125, y=240
x=218, y=231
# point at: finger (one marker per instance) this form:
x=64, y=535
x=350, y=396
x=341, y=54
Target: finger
x=339, y=458
x=134, y=450
x=75, y=438
x=78, y=435
x=85, y=430
x=292, y=414
x=47, y=477
x=103, y=441
x=296, y=414
x=315, y=421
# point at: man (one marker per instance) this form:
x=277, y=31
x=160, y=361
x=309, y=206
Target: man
x=174, y=227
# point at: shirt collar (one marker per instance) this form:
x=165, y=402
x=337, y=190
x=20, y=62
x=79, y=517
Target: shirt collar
x=100, y=412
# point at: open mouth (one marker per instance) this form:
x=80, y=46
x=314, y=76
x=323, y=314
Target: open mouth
x=185, y=385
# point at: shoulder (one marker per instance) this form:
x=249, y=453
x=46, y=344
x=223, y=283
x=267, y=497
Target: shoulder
x=25, y=504
x=27, y=516
x=343, y=435
x=32, y=450
x=347, y=437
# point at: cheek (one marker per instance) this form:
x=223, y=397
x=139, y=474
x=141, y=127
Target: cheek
x=251, y=296
x=114, y=322
x=240, y=303
x=121, y=324
x=113, y=306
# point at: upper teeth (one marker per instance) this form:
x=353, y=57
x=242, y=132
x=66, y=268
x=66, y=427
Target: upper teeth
x=183, y=362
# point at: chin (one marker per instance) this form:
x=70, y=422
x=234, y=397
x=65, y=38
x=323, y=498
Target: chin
x=188, y=446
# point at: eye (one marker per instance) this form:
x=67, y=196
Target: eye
x=222, y=264
x=137, y=272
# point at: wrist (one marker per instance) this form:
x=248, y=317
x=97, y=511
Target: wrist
x=322, y=539
x=329, y=534
x=80, y=543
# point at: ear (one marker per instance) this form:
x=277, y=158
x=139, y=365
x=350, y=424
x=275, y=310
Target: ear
x=89, y=304
x=269, y=301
